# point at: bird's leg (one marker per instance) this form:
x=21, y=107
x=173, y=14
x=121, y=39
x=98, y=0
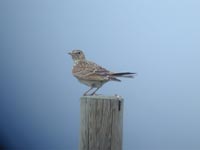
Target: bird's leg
x=87, y=91
x=95, y=90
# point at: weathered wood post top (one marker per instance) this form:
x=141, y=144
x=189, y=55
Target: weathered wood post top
x=101, y=123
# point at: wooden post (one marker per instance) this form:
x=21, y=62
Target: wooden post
x=101, y=123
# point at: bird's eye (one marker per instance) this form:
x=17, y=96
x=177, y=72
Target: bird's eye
x=79, y=53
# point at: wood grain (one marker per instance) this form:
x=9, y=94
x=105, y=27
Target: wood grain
x=101, y=123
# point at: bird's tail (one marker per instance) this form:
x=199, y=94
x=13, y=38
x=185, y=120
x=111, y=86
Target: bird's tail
x=124, y=74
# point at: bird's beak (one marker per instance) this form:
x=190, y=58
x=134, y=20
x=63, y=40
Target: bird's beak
x=70, y=53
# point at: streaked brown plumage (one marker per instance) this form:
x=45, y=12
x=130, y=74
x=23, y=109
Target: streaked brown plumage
x=91, y=74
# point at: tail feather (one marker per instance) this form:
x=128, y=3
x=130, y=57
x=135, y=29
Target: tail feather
x=124, y=74
x=114, y=79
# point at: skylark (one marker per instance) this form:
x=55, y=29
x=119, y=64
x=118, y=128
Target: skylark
x=91, y=74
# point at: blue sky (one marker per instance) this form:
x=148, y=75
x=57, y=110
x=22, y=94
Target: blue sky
x=157, y=39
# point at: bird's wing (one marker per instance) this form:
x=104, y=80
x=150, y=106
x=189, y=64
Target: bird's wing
x=90, y=71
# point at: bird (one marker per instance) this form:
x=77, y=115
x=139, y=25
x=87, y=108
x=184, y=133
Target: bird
x=92, y=74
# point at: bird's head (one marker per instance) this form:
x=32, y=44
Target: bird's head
x=77, y=55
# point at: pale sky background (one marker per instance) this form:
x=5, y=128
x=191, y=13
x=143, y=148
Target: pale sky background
x=159, y=40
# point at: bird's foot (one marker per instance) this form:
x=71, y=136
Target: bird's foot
x=96, y=94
